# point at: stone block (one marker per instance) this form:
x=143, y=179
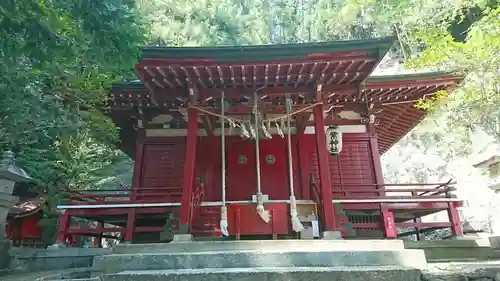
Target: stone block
x=495, y=242
x=182, y=238
x=257, y=259
x=275, y=245
x=4, y=254
x=332, y=235
x=454, y=250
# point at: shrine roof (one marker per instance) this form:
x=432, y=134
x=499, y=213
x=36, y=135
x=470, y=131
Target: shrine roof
x=25, y=208
x=175, y=69
x=376, y=47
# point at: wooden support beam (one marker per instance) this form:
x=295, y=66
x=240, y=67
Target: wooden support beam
x=209, y=124
x=193, y=93
x=301, y=122
x=189, y=167
x=337, y=122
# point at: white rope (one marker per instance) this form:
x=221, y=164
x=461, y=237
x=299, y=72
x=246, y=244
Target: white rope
x=260, y=204
x=223, y=209
x=296, y=224
x=239, y=121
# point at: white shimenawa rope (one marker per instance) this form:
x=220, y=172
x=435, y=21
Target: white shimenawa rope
x=260, y=204
x=296, y=224
x=223, y=209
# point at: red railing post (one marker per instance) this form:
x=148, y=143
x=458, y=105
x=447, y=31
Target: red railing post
x=387, y=217
x=129, y=232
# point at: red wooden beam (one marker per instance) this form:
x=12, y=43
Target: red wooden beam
x=168, y=94
x=189, y=166
x=403, y=225
x=94, y=231
x=324, y=172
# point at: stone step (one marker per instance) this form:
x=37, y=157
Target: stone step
x=278, y=245
x=454, y=250
x=256, y=259
x=270, y=273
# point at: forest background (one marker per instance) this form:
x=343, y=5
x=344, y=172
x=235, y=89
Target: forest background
x=58, y=59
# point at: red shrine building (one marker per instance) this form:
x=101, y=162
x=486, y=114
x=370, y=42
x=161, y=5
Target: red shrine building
x=265, y=142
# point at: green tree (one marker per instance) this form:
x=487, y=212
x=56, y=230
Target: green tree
x=57, y=60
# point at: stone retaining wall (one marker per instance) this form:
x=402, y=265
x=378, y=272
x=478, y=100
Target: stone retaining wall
x=29, y=260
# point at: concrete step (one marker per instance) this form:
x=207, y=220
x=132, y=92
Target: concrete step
x=257, y=259
x=270, y=273
x=277, y=245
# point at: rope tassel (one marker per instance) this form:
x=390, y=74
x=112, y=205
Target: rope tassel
x=296, y=224
x=264, y=214
x=223, y=221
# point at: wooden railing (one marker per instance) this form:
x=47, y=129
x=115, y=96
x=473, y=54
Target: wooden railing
x=126, y=195
x=395, y=191
x=366, y=193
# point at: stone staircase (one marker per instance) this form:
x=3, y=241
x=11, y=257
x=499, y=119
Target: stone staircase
x=370, y=260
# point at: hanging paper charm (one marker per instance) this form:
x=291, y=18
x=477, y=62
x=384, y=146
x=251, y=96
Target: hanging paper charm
x=264, y=130
x=334, y=140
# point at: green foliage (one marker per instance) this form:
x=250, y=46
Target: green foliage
x=57, y=61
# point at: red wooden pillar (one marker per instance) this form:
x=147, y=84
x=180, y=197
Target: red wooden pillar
x=453, y=215
x=62, y=228
x=189, y=168
x=324, y=169
x=129, y=231
x=387, y=217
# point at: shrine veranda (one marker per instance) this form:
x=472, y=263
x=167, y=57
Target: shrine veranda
x=265, y=142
